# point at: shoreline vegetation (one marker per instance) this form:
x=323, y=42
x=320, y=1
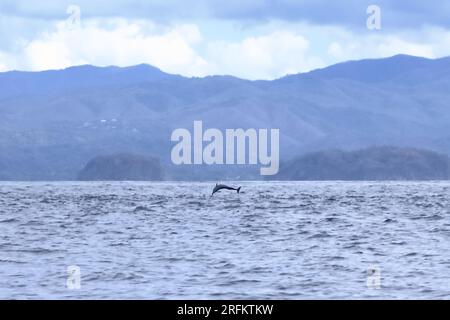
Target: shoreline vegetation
x=369, y=164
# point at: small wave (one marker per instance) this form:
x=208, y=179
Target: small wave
x=158, y=202
x=231, y=207
x=434, y=217
x=240, y=281
x=411, y=254
x=37, y=251
x=195, y=203
x=32, y=223
x=12, y=261
x=142, y=208
x=399, y=243
x=320, y=235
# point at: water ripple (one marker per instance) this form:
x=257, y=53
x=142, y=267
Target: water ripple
x=277, y=240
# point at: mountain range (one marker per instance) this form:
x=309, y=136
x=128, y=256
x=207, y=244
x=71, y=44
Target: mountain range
x=53, y=122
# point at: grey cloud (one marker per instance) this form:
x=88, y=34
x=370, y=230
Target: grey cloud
x=348, y=13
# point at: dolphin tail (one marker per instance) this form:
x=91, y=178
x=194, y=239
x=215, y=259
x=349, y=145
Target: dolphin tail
x=238, y=189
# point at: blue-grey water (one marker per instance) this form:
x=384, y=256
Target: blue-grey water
x=275, y=240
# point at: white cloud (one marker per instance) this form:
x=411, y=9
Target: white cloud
x=3, y=67
x=265, y=52
x=116, y=43
x=379, y=46
x=392, y=45
x=335, y=50
x=264, y=57
x=429, y=42
x=172, y=49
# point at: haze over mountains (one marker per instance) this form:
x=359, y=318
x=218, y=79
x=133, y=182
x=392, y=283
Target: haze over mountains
x=52, y=123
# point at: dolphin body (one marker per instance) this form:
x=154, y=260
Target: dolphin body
x=219, y=187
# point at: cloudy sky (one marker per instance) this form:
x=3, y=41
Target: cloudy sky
x=252, y=39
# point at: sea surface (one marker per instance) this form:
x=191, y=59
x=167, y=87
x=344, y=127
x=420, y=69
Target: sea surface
x=274, y=240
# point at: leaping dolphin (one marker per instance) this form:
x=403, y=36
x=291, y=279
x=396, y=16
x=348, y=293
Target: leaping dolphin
x=219, y=187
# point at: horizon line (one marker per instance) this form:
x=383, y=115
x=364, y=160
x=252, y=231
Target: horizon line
x=219, y=75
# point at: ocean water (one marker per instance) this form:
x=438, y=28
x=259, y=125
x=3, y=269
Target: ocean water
x=274, y=240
